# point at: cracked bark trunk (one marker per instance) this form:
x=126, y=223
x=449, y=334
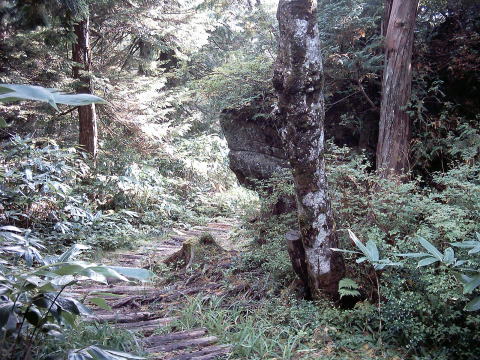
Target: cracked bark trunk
x=147, y=62
x=87, y=116
x=298, y=81
x=394, y=133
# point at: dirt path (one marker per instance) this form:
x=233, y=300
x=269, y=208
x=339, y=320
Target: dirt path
x=146, y=308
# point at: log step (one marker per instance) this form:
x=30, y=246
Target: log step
x=157, y=340
x=118, y=289
x=207, y=353
x=122, y=317
x=146, y=326
x=184, y=344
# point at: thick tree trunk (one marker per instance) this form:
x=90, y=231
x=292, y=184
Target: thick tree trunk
x=147, y=62
x=387, y=8
x=298, y=80
x=394, y=136
x=87, y=116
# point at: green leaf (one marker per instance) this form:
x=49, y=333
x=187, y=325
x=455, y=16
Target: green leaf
x=47, y=287
x=347, y=283
x=472, y=284
x=69, y=268
x=413, y=255
x=134, y=273
x=11, y=228
x=5, y=310
x=449, y=256
x=65, y=280
x=93, y=275
x=466, y=244
x=475, y=250
x=431, y=248
x=73, y=355
x=73, y=306
x=100, y=354
x=12, y=92
x=108, y=272
x=78, y=99
x=427, y=261
x=69, y=318
x=100, y=302
x=72, y=252
x=3, y=123
x=359, y=244
x=473, y=305
x=373, y=250
x=348, y=292
x=34, y=316
x=361, y=260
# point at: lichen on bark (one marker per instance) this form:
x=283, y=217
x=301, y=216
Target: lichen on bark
x=298, y=81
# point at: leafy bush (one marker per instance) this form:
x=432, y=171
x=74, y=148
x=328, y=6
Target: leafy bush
x=34, y=302
x=422, y=310
x=267, y=252
x=38, y=180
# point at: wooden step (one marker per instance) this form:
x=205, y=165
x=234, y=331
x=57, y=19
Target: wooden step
x=207, y=353
x=184, y=344
x=121, y=317
x=146, y=326
x=134, y=289
x=157, y=340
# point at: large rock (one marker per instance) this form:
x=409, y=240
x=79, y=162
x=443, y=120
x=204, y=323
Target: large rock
x=255, y=149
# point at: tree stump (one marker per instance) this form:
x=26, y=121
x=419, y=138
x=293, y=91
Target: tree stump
x=204, y=244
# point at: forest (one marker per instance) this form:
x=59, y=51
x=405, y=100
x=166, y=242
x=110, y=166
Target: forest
x=239, y=179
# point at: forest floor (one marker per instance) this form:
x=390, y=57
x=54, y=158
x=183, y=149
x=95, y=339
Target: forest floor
x=149, y=309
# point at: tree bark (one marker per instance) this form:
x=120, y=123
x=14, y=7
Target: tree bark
x=394, y=136
x=298, y=81
x=147, y=62
x=88, y=134
x=387, y=8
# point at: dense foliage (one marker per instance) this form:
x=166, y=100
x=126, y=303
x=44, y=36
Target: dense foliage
x=165, y=71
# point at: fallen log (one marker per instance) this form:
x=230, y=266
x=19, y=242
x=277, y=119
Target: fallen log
x=157, y=340
x=210, y=352
x=121, y=317
x=183, y=344
x=148, y=325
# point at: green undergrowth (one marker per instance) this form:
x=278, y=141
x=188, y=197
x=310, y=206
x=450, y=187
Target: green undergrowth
x=87, y=334
x=421, y=313
x=287, y=328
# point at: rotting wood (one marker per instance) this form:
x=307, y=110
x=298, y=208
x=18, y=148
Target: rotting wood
x=214, y=350
x=146, y=325
x=121, y=317
x=157, y=340
x=183, y=344
x=117, y=289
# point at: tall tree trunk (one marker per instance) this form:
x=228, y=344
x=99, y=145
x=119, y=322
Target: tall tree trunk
x=147, y=62
x=88, y=135
x=387, y=8
x=298, y=81
x=394, y=136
